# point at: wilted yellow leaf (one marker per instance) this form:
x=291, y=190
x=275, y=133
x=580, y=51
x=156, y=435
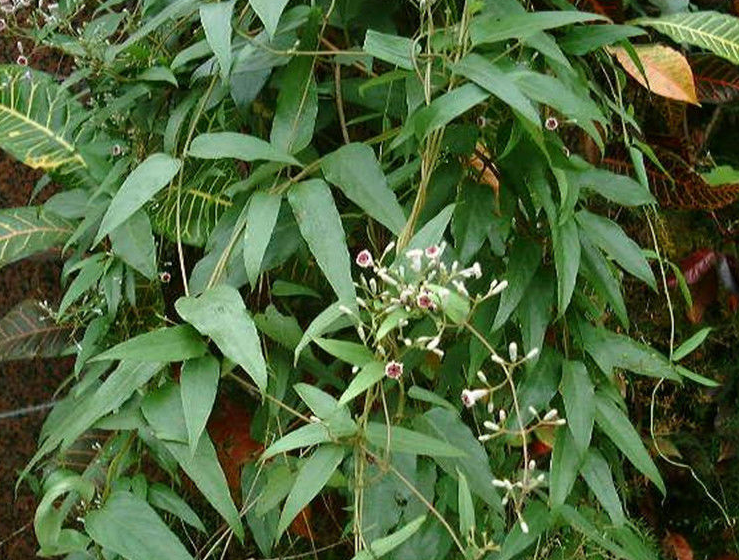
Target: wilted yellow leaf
x=667, y=71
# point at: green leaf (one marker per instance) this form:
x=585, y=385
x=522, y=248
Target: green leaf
x=597, y=474
x=168, y=344
x=133, y=243
x=536, y=517
x=158, y=74
x=620, y=189
x=330, y=319
x=685, y=372
x=587, y=38
x=384, y=545
x=269, y=11
x=48, y=520
x=90, y=271
x=327, y=408
x=312, y=477
x=320, y=225
x=566, y=248
x=535, y=312
x=370, y=374
x=29, y=230
x=355, y=170
x=216, y=20
x=297, y=106
x=486, y=75
x=305, y=436
x=216, y=145
x=403, y=440
x=421, y=394
x=618, y=428
x=465, y=505
x=445, y=109
x=597, y=270
x=198, y=387
x=565, y=463
x=472, y=219
x=610, y=350
x=30, y=331
x=577, y=392
x=220, y=313
x=718, y=33
x=164, y=498
x=128, y=526
x=151, y=176
x=491, y=28
x=349, y=352
x=523, y=262
x=691, y=344
x=261, y=218
x=432, y=231
x=581, y=524
x=396, y=50
x=612, y=239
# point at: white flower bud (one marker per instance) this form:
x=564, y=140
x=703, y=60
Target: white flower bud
x=524, y=527
x=513, y=351
x=484, y=437
x=532, y=410
x=532, y=465
x=532, y=353
x=502, y=415
x=481, y=376
x=551, y=415
x=492, y=426
x=497, y=359
x=499, y=288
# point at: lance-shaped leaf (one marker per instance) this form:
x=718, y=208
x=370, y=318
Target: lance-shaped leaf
x=220, y=313
x=30, y=331
x=216, y=20
x=30, y=230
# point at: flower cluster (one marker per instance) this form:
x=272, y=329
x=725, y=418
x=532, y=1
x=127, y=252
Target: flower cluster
x=417, y=285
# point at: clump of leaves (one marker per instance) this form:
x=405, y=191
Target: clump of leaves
x=224, y=163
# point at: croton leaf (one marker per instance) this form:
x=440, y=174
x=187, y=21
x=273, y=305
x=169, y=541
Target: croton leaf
x=716, y=80
x=30, y=331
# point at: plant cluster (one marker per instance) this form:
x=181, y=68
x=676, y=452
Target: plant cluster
x=392, y=230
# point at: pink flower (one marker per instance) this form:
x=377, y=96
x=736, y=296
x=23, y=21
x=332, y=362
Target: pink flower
x=433, y=252
x=364, y=259
x=22, y=60
x=424, y=301
x=551, y=123
x=394, y=370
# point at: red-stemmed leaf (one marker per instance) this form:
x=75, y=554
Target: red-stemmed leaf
x=716, y=79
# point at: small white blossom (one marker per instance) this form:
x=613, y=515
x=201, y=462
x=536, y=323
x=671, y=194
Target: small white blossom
x=471, y=396
x=513, y=351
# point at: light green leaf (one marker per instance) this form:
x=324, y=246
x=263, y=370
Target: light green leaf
x=198, y=387
x=446, y=108
x=48, y=520
x=158, y=74
x=220, y=313
x=261, y=218
x=164, y=498
x=320, y=226
x=216, y=20
x=168, y=344
x=313, y=476
x=29, y=230
x=566, y=247
x=91, y=269
x=577, y=392
x=612, y=239
x=215, y=145
x=472, y=221
x=128, y=526
x=691, y=344
x=491, y=28
x=432, y=231
x=151, y=176
x=587, y=38
x=620, y=189
x=133, y=243
x=581, y=524
x=536, y=516
x=617, y=426
x=269, y=11
x=597, y=270
x=330, y=319
x=465, y=505
x=486, y=75
x=305, y=436
x=718, y=33
x=297, y=106
x=370, y=374
x=355, y=170
x=403, y=440
x=396, y=50
x=384, y=545
x=565, y=463
x=421, y=394
x=523, y=262
x=349, y=352
x=597, y=474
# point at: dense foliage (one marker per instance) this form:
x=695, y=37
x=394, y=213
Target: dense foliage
x=348, y=277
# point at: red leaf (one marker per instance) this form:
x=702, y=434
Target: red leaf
x=613, y=9
x=704, y=293
x=697, y=265
x=229, y=427
x=716, y=80
x=677, y=547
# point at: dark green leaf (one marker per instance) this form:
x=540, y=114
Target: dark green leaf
x=261, y=218
x=269, y=11
x=217, y=145
x=597, y=474
x=577, y=393
x=164, y=498
x=523, y=262
x=403, y=440
x=168, y=344
x=566, y=247
x=133, y=243
x=396, y=50
x=198, y=387
x=216, y=20
x=490, y=28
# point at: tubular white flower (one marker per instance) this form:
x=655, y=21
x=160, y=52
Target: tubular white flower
x=499, y=288
x=513, y=351
x=471, y=396
x=551, y=415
